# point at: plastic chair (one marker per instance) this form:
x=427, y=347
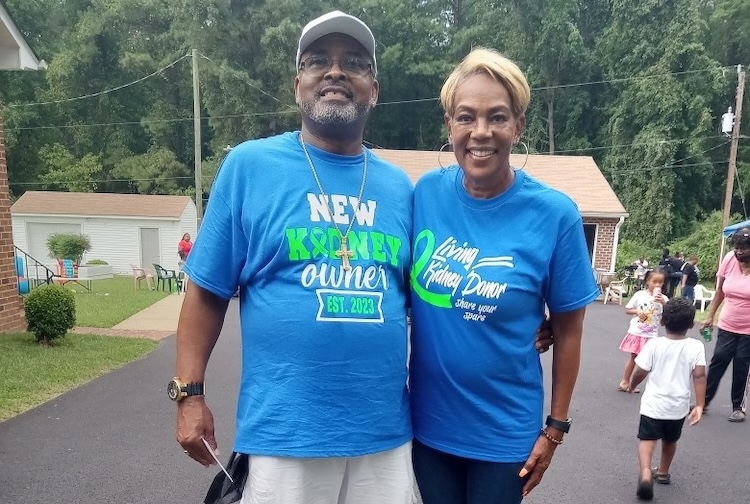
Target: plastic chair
x=164, y=277
x=605, y=278
x=140, y=274
x=703, y=296
x=615, y=291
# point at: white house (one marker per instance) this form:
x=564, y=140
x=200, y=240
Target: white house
x=123, y=229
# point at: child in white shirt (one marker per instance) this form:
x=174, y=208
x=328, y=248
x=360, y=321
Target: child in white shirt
x=669, y=363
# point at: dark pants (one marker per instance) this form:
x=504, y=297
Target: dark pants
x=448, y=479
x=672, y=283
x=729, y=346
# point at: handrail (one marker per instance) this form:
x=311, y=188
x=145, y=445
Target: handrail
x=42, y=274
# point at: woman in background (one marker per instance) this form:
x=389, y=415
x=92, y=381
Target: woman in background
x=733, y=338
x=183, y=248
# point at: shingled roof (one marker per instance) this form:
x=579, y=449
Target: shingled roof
x=100, y=204
x=577, y=176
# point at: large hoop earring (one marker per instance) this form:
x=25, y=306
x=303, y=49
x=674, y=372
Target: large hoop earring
x=442, y=148
x=525, y=146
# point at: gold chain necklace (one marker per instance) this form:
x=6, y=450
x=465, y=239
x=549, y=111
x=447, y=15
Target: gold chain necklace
x=343, y=252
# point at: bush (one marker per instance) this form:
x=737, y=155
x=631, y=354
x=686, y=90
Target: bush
x=96, y=262
x=50, y=312
x=68, y=246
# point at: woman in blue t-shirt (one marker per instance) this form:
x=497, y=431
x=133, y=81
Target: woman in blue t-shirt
x=493, y=248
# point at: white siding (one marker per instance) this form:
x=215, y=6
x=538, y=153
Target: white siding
x=117, y=240
x=189, y=222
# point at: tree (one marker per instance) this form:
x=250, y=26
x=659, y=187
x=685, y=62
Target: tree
x=662, y=116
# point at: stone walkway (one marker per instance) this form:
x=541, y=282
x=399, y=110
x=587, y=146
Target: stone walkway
x=155, y=322
x=124, y=333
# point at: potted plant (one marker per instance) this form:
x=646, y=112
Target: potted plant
x=68, y=246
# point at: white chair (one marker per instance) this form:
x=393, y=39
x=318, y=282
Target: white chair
x=615, y=291
x=142, y=274
x=604, y=278
x=703, y=296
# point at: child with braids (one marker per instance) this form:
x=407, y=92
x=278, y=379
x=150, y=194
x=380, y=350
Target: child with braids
x=646, y=306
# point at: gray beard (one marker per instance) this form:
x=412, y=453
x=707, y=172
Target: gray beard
x=332, y=114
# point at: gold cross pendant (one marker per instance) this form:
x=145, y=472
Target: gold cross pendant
x=344, y=253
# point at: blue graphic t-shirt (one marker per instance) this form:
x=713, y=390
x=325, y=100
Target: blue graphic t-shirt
x=324, y=351
x=482, y=273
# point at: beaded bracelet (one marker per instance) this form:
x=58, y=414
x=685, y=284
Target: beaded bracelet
x=556, y=441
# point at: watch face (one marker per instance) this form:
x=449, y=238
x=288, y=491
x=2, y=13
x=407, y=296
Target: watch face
x=173, y=390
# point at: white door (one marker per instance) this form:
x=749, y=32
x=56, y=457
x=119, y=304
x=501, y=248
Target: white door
x=150, y=248
x=37, y=234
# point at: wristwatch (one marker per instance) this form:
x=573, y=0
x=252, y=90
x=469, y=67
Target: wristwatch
x=177, y=390
x=561, y=425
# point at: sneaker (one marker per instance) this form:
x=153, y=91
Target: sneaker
x=737, y=416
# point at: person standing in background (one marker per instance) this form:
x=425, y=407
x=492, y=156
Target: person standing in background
x=676, y=276
x=641, y=266
x=733, y=338
x=184, y=247
x=689, y=278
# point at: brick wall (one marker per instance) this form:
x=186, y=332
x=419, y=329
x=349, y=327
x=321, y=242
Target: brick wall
x=605, y=240
x=11, y=307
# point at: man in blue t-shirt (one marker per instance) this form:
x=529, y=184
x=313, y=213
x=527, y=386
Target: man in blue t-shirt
x=315, y=232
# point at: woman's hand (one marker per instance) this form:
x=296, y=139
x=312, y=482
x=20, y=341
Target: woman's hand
x=708, y=321
x=537, y=463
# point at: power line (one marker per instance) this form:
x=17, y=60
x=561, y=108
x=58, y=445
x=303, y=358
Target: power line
x=100, y=93
x=243, y=79
x=665, y=167
x=639, y=144
x=675, y=163
x=397, y=102
x=626, y=79
x=149, y=121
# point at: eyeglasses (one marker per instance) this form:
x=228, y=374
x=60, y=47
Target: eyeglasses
x=318, y=64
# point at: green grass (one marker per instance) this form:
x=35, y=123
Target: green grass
x=31, y=374
x=111, y=301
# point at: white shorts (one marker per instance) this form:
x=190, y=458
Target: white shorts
x=380, y=478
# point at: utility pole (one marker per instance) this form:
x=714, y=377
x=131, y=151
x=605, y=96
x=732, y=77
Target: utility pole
x=732, y=159
x=197, y=139
x=733, y=149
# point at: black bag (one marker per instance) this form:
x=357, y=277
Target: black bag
x=223, y=491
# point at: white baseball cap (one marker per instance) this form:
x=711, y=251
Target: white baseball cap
x=337, y=22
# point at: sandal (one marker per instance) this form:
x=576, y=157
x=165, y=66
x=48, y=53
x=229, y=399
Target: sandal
x=645, y=489
x=663, y=479
x=627, y=389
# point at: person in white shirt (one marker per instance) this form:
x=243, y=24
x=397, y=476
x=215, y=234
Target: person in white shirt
x=669, y=363
x=641, y=267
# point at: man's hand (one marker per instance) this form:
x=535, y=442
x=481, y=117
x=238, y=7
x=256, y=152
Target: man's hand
x=544, y=337
x=195, y=420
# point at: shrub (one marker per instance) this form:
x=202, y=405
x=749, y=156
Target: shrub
x=68, y=246
x=96, y=262
x=50, y=312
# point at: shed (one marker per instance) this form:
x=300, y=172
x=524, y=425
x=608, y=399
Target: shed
x=123, y=229
x=577, y=176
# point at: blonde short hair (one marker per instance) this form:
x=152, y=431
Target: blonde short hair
x=496, y=66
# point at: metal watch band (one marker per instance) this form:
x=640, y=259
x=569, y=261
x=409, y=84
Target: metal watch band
x=192, y=389
x=561, y=425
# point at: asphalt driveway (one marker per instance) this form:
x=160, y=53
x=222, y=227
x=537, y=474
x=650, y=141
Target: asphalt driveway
x=112, y=440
